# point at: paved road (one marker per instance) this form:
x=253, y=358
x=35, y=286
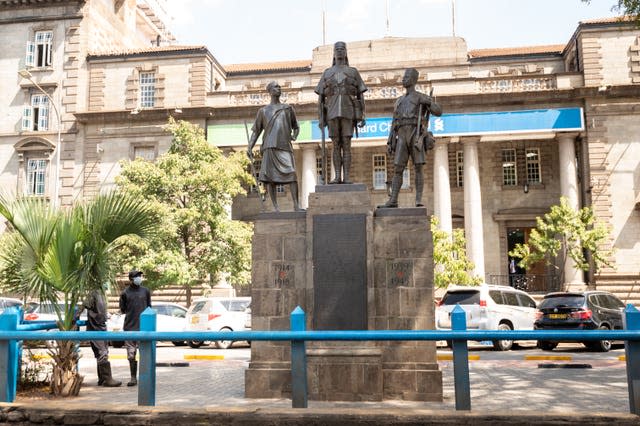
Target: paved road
x=499, y=381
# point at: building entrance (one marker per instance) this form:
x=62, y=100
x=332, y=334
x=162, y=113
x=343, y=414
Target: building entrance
x=531, y=278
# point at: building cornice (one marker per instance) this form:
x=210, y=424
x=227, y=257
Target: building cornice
x=159, y=114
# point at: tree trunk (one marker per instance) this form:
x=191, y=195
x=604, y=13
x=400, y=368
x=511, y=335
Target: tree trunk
x=188, y=294
x=65, y=378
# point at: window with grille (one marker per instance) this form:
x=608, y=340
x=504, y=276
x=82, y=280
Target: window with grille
x=147, y=89
x=39, y=51
x=257, y=164
x=379, y=171
x=532, y=156
x=459, y=169
x=146, y=152
x=406, y=176
x=36, y=174
x=35, y=117
x=509, y=169
x=280, y=189
x=319, y=180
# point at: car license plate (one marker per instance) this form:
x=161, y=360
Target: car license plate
x=195, y=320
x=557, y=316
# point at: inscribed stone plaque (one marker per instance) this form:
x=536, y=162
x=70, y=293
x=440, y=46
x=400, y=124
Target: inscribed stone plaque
x=340, y=272
x=400, y=273
x=282, y=274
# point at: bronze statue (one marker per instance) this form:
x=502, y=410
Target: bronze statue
x=409, y=136
x=341, y=107
x=280, y=126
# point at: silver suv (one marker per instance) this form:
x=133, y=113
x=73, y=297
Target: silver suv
x=488, y=307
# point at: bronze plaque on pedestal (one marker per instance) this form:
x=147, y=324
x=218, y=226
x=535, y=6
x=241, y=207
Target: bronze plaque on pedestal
x=339, y=272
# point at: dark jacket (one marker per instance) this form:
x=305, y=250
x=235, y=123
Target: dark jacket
x=133, y=301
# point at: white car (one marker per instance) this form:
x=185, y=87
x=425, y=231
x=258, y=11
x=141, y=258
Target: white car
x=8, y=302
x=169, y=317
x=36, y=311
x=218, y=314
x=488, y=307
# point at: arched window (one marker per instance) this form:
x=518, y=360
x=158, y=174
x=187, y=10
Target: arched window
x=33, y=155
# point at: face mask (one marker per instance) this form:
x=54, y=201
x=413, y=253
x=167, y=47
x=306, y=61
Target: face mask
x=137, y=280
x=105, y=287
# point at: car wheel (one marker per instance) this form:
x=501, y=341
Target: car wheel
x=602, y=345
x=503, y=345
x=179, y=343
x=546, y=346
x=117, y=344
x=224, y=344
x=195, y=344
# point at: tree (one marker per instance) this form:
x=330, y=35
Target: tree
x=191, y=189
x=626, y=7
x=565, y=232
x=59, y=256
x=450, y=258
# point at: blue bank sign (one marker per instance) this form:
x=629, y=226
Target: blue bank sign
x=482, y=123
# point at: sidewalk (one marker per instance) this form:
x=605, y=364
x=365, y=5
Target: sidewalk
x=500, y=390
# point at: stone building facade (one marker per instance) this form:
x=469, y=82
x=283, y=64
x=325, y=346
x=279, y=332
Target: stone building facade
x=521, y=126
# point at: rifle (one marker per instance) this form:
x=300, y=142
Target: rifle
x=427, y=144
x=325, y=178
x=253, y=169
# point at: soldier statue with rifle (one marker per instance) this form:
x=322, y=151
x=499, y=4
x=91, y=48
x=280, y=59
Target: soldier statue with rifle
x=341, y=108
x=409, y=135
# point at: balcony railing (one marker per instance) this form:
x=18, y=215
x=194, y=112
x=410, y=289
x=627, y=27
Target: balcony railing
x=529, y=283
x=517, y=84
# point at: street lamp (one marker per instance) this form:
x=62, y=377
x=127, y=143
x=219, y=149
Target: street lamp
x=24, y=73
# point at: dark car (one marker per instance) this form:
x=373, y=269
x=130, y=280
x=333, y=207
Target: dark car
x=589, y=310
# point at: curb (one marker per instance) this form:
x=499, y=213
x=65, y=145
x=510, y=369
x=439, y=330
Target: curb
x=204, y=357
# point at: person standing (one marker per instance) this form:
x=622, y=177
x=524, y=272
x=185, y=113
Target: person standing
x=409, y=136
x=341, y=107
x=278, y=123
x=133, y=301
x=96, y=306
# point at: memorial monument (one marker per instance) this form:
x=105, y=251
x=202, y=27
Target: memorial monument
x=349, y=267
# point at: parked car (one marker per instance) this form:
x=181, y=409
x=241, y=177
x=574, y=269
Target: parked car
x=488, y=307
x=169, y=317
x=46, y=311
x=8, y=302
x=589, y=310
x=218, y=314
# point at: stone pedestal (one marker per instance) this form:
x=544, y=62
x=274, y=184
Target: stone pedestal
x=348, y=266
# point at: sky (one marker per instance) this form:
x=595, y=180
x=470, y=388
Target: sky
x=248, y=31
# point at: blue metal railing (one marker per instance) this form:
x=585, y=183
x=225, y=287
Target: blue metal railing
x=11, y=331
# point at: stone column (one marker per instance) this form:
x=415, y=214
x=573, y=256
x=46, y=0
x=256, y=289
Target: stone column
x=441, y=186
x=308, y=184
x=573, y=276
x=473, y=227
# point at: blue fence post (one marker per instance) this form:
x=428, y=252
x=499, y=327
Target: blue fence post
x=632, y=355
x=8, y=356
x=298, y=362
x=460, y=361
x=147, y=385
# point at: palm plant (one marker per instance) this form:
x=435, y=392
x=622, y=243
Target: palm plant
x=58, y=256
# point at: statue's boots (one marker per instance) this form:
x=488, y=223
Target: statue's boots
x=133, y=367
x=104, y=370
x=396, y=184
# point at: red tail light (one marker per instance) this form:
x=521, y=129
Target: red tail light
x=211, y=317
x=31, y=317
x=539, y=315
x=584, y=314
x=483, y=302
x=440, y=302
